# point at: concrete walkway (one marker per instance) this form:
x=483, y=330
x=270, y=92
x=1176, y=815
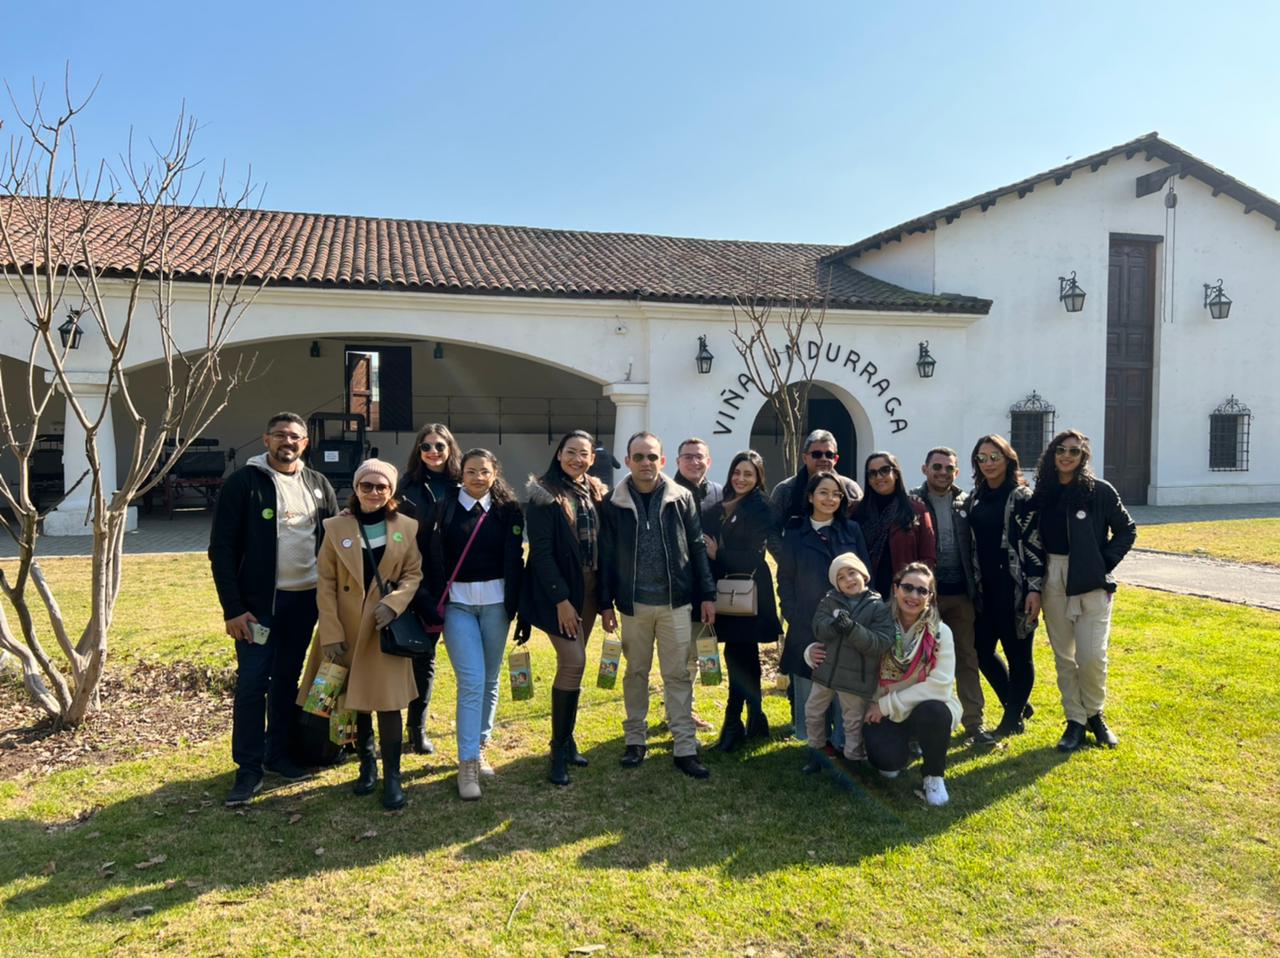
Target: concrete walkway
x=185, y=532
x=1162, y=515
x=1255, y=585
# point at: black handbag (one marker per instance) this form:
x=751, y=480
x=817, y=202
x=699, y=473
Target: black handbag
x=405, y=635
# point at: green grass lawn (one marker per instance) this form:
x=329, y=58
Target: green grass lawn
x=1240, y=540
x=1169, y=845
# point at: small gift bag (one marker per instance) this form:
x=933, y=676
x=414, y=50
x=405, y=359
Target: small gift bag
x=325, y=689
x=342, y=724
x=521, y=668
x=709, y=657
x=610, y=659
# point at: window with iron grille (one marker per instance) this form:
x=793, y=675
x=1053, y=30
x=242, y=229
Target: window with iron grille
x=1229, y=437
x=1030, y=428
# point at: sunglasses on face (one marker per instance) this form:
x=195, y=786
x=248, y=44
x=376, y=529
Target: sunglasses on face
x=371, y=487
x=923, y=591
x=1071, y=452
x=434, y=446
x=939, y=467
x=880, y=473
x=983, y=459
x=822, y=454
x=645, y=457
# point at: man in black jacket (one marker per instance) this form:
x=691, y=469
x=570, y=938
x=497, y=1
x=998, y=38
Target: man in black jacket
x=263, y=544
x=656, y=567
x=819, y=454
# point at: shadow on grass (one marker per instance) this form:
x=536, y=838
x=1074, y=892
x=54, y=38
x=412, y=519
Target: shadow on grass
x=756, y=815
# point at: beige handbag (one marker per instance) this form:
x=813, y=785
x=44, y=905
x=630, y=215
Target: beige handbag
x=736, y=594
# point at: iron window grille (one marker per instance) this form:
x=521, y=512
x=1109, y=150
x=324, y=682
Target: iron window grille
x=1031, y=427
x=1229, y=437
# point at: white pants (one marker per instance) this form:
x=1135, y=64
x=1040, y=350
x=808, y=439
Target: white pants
x=1079, y=629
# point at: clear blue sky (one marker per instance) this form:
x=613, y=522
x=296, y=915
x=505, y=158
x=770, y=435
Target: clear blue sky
x=743, y=120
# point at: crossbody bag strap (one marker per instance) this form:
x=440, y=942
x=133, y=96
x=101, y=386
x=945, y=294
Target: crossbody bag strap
x=368, y=550
x=458, y=568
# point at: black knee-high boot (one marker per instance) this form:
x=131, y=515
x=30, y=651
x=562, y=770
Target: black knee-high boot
x=576, y=758
x=389, y=729
x=563, y=711
x=368, y=778
x=424, y=674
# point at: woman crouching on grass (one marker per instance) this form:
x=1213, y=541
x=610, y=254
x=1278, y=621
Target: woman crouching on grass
x=353, y=610
x=917, y=698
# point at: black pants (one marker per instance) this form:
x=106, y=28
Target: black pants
x=995, y=623
x=267, y=683
x=424, y=674
x=743, y=660
x=390, y=732
x=888, y=743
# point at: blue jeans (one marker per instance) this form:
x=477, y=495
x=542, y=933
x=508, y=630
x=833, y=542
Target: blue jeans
x=475, y=637
x=835, y=720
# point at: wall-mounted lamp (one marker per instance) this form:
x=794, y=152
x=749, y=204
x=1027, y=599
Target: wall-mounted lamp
x=1216, y=301
x=926, y=363
x=315, y=349
x=704, y=357
x=1070, y=294
x=70, y=332
x=439, y=351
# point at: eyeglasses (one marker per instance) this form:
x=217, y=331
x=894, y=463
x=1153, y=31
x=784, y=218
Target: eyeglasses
x=645, y=457
x=983, y=458
x=692, y=456
x=286, y=437
x=923, y=591
x=434, y=446
x=1071, y=452
x=880, y=473
x=372, y=487
x=822, y=454
x=939, y=467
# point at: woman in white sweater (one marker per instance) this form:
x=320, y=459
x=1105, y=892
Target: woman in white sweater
x=917, y=698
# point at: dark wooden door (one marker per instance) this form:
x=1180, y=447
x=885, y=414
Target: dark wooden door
x=1130, y=360
x=830, y=414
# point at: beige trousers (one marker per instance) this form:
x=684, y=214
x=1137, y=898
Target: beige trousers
x=957, y=613
x=671, y=630
x=852, y=707
x=1079, y=628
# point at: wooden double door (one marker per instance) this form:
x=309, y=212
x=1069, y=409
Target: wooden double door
x=1130, y=368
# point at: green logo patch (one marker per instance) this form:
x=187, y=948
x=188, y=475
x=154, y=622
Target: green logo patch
x=516, y=530
x=397, y=537
x=268, y=513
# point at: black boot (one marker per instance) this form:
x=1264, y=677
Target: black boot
x=1072, y=737
x=757, y=723
x=368, y=779
x=817, y=761
x=417, y=729
x=576, y=758
x=732, y=733
x=1104, y=735
x=562, y=711
x=392, y=794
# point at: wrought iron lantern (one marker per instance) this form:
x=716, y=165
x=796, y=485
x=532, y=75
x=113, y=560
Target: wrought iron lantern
x=1070, y=294
x=704, y=357
x=70, y=332
x=1216, y=301
x=439, y=351
x=926, y=363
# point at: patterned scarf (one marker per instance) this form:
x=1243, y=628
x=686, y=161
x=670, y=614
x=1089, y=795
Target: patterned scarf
x=913, y=656
x=586, y=522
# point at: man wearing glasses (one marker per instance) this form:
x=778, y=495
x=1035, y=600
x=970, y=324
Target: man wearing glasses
x=263, y=544
x=820, y=455
x=656, y=568
x=693, y=460
x=949, y=506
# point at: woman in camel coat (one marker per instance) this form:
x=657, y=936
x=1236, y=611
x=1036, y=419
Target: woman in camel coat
x=353, y=610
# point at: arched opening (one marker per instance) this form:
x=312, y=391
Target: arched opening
x=826, y=410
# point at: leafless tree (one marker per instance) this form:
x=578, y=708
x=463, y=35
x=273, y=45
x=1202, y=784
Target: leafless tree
x=775, y=328
x=102, y=250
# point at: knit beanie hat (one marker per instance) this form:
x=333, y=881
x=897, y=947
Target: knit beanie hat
x=376, y=467
x=847, y=560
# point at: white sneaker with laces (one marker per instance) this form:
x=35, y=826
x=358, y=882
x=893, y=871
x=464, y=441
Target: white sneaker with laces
x=485, y=768
x=888, y=772
x=935, y=790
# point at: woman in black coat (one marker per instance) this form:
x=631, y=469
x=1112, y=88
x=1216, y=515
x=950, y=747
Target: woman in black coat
x=560, y=594
x=735, y=530
x=430, y=475
x=808, y=546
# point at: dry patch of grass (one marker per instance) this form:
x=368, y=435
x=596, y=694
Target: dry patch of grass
x=1239, y=540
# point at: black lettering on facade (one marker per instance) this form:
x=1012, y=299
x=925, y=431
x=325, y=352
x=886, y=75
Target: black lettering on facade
x=833, y=357
x=881, y=386
x=732, y=397
x=891, y=405
x=898, y=425
x=852, y=358
x=868, y=371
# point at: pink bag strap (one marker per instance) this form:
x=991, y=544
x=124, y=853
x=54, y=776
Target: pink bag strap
x=444, y=596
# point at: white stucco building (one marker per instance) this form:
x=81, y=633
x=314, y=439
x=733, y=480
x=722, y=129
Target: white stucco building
x=515, y=335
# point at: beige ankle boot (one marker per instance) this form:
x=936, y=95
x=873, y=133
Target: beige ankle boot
x=469, y=780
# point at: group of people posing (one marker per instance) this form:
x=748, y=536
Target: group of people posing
x=895, y=599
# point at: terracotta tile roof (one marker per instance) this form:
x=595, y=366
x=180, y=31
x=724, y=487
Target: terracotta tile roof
x=1151, y=144
x=330, y=251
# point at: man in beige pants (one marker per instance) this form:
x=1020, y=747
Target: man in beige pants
x=656, y=567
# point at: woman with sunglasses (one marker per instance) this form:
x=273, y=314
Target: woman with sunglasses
x=1086, y=532
x=430, y=476
x=917, y=699
x=809, y=544
x=1008, y=566
x=735, y=530
x=561, y=594
x=898, y=527
x=353, y=610
x=475, y=563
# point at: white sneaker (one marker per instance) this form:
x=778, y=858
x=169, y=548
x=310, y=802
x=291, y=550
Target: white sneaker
x=935, y=790
x=888, y=772
x=485, y=768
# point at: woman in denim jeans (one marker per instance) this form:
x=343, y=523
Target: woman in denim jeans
x=482, y=600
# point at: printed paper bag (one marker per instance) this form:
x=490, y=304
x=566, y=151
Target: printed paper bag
x=325, y=689
x=709, y=657
x=610, y=659
x=342, y=723
x=521, y=668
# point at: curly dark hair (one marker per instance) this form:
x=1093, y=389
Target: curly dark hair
x=1048, y=488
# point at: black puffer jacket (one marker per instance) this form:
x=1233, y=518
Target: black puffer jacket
x=740, y=553
x=554, y=570
x=687, y=565
x=852, y=662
